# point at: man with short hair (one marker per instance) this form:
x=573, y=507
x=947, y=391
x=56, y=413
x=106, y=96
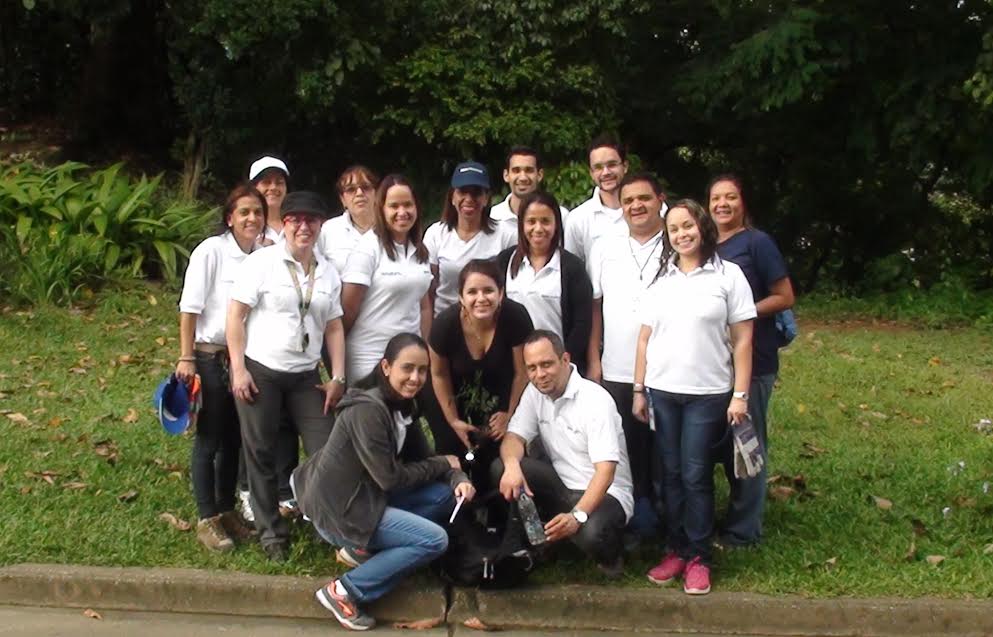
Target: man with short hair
x=599, y=215
x=523, y=175
x=621, y=269
x=584, y=489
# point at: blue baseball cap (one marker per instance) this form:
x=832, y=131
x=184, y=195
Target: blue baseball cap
x=470, y=173
x=172, y=401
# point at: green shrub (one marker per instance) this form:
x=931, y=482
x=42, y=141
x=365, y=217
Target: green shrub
x=68, y=229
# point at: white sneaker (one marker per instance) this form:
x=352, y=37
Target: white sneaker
x=245, y=504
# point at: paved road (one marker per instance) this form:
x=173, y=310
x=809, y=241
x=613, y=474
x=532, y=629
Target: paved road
x=55, y=622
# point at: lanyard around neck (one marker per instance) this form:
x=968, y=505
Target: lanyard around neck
x=304, y=300
x=641, y=266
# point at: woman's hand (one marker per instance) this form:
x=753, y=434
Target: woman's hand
x=465, y=490
x=462, y=429
x=639, y=407
x=185, y=371
x=332, y=394
x=243, y=386
x=498, y=425
x=737, y=411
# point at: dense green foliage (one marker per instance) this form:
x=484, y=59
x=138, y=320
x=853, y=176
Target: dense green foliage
x=861, y=126
x=65, y=230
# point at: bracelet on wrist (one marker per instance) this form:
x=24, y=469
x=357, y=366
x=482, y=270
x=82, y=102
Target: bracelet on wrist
x=187, y=359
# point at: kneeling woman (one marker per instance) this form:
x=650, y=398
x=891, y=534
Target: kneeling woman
x=374, y=489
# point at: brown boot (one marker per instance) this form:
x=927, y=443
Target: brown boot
x=211, y=534
x=236, y=527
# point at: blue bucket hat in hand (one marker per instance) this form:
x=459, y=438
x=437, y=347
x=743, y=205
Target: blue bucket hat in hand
x=172, y=402
x=470, y=173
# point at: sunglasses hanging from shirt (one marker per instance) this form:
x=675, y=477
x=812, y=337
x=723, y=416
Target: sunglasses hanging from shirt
x=304, y=301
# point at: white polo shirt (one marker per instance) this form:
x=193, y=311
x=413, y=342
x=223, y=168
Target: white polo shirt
x=392, y=302
x=339, y=236
x=271, y=235
x=273, y=337
x=502, y=213
x=578, y=429
x=689, y=351
x=591, y=220
x=207, y=285
x=621, y=269
x=450, y=253
x=540, y=292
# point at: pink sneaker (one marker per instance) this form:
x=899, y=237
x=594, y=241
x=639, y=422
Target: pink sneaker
x=668, y=569
x=697, y=578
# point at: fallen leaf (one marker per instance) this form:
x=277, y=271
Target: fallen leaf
x=934, y=361
x=782, y=493
x=919, y=529
x=988, y=549
x=128, y=496
x=131, y=416
x=882, y=503
x=25, y=490
x=18, y=417
x=911, y=553
x=934, y=560
x=106, y=449
x=77, y=370
x=475, y=623
x=878, y=414
x=948, y=383
x=152, y=300
x=45, y=476
x=161, y=341
x=419, y=624
x=73, y=486
x=92, y=614
x=124, y=359
x=831, y=563
x=174, y=522
x=965, y=502
x=810, y=450
x=801, y=408
x=56, y=421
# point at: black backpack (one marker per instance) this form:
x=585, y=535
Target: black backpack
x=487, y=557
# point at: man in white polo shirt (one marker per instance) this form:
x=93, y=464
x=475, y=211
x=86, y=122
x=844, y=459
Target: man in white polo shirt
x=584, y=493
x=599, y=215
x=523, y=174
x=621, y=269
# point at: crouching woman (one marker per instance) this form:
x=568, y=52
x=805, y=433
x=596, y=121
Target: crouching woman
x=375, y=490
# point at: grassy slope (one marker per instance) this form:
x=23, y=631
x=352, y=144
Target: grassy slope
x=887, y=411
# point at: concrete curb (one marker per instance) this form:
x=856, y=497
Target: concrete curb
x=576, y=608
x=592, y=607
x=179, y=590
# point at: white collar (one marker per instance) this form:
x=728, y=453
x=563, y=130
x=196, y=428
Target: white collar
x=231, y=247
x=572, y=387
x=500, y=213
x=710, y=265
x=554, y=263
x=654, y=241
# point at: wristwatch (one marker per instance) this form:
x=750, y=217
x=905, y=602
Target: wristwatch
x=338, y=379
x=638, y=387
x=580, y=516
x=740, y=394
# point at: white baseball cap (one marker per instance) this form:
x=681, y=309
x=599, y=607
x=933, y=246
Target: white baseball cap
x=266, y=163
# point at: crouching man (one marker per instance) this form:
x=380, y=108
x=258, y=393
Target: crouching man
x=583, y=489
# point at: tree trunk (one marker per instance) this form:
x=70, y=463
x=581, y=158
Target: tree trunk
x=194, y=163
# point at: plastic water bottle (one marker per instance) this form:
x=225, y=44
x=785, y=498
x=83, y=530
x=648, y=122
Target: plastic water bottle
x=533, y=527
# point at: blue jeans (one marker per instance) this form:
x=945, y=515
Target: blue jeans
x=746, y=505
x=688, y=429
x=408, y=536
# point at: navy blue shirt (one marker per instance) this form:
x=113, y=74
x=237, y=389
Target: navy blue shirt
x=758, y=257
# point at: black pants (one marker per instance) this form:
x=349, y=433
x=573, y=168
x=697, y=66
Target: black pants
x=639, y=437
x=600, y=537
x=282, y=395
x=287, y=459
x=214, y=460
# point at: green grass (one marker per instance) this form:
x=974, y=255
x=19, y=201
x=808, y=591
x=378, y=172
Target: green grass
x=861, y=410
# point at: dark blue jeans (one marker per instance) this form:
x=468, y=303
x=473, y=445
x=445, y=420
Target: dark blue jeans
x=407, y=536
x=216, y=447
x=688, y=431
x=746, y=505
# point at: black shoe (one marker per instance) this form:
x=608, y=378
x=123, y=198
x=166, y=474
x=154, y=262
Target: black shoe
x=278, y=552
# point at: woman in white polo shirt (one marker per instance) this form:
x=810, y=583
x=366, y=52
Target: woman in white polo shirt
x=386, y=279
x=464, y=233
x=546, y=279
x=356, y=189
x=203, y=350
x=290, y=296
x=271, y=178
x=695, y=356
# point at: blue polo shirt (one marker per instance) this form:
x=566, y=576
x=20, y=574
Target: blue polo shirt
x=758, y=257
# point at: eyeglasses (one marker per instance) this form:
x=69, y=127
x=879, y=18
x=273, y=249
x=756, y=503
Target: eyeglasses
x=612, y=164
x=296, y=220
x=351, y=189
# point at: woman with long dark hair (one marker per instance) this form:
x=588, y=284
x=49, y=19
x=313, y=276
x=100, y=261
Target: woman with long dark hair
x=375, y=489
x=759, y=258
x=548, y=280
x=203, y=350
x=694, y=356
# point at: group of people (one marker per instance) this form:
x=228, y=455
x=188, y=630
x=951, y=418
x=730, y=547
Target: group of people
x=593, y=359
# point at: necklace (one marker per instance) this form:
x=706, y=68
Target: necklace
x=642, y=266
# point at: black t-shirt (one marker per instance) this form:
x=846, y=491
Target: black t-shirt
x=495, y=368
x=762, y=263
